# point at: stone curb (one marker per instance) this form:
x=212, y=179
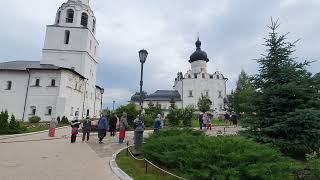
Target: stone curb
x=26, y=134
x=115, y=169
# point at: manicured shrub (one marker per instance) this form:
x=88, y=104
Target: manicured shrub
x=196, y=156
x=34, y=119
x=64, y=120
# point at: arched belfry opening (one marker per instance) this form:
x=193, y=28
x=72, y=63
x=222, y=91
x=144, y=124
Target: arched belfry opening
x=84, y=19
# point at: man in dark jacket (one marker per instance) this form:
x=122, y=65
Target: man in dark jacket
x=113, y=124
x=86, y=128
x=102, y=128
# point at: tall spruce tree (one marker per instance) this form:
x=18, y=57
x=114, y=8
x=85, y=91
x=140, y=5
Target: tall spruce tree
x=243, y=94
x=284, y=114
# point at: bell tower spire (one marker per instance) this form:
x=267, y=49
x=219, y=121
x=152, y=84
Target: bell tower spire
x=70, y=42
x=85, y=2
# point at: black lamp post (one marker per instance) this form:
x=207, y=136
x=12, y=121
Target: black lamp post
x=143, y=57
x=113, y=105
x=138, y=124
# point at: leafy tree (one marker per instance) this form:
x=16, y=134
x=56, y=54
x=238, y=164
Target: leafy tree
x=64, y=120
x=174, y=116
x=285, y=115
x=130, y=109
x=58, y=119
x=136, y=96
x=188, y=115
x=243, y=95
x=4, y=120
x=153, y=110
x=14, y=125
x=204, y=104
x=172, y=103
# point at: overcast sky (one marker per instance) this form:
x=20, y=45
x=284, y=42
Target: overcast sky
x=231, y=32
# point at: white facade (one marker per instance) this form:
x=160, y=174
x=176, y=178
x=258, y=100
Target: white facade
x=63, y=83
x=194, y=84
x=197, y=82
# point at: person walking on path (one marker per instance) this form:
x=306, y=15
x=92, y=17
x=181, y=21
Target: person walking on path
x=157, y=123
x=227, y=119
x=113, y=124
x=52, y=127
x=123, y=125
x=235, y=119
x=200, y=121
x=74, y=129
x=102, y=128
x=209, y=122
x=86, y=128
x=205, y=120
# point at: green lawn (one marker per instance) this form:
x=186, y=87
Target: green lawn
x=35, y=127
x=136, y=169
x=215, y=122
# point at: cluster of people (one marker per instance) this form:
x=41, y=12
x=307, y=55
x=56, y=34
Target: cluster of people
x=103, y=126
x=205, y=121
x=228, y=118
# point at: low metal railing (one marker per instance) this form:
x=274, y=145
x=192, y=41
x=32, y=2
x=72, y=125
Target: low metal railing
x=147, y=162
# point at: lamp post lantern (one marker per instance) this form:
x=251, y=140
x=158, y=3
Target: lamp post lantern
x=113, y=105
x=138, y=124
x=143, y=54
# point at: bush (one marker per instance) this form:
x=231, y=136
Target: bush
x=34, y=119
x=187, y=116
x=148, y=120
x=64, y=120
x=4, y=120
x=196, y=156
x=58, y=120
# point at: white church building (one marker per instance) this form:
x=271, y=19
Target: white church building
x=63, y=82
x=189, y=87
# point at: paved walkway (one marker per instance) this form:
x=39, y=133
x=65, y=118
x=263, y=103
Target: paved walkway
x=50, y=160
x=55, y=159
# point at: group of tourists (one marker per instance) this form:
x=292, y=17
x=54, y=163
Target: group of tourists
x=103, y=126
x=205, y=120
x=228, y=118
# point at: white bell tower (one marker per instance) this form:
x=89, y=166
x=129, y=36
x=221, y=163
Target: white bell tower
x=70, y=42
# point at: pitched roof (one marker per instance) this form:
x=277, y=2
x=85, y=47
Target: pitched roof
x=164, y=95
x=27, y=65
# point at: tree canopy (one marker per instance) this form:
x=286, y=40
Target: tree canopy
x=286, y=113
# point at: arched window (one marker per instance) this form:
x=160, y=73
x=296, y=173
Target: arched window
x=66, y=37
x=218, y=77
x=94, y=25
x=9, y=85
x=58, y=17
x=189, y=76
x=84, y=19
x=70, y=14
x=49, y=110
x=53, y=82
x=33, y=110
